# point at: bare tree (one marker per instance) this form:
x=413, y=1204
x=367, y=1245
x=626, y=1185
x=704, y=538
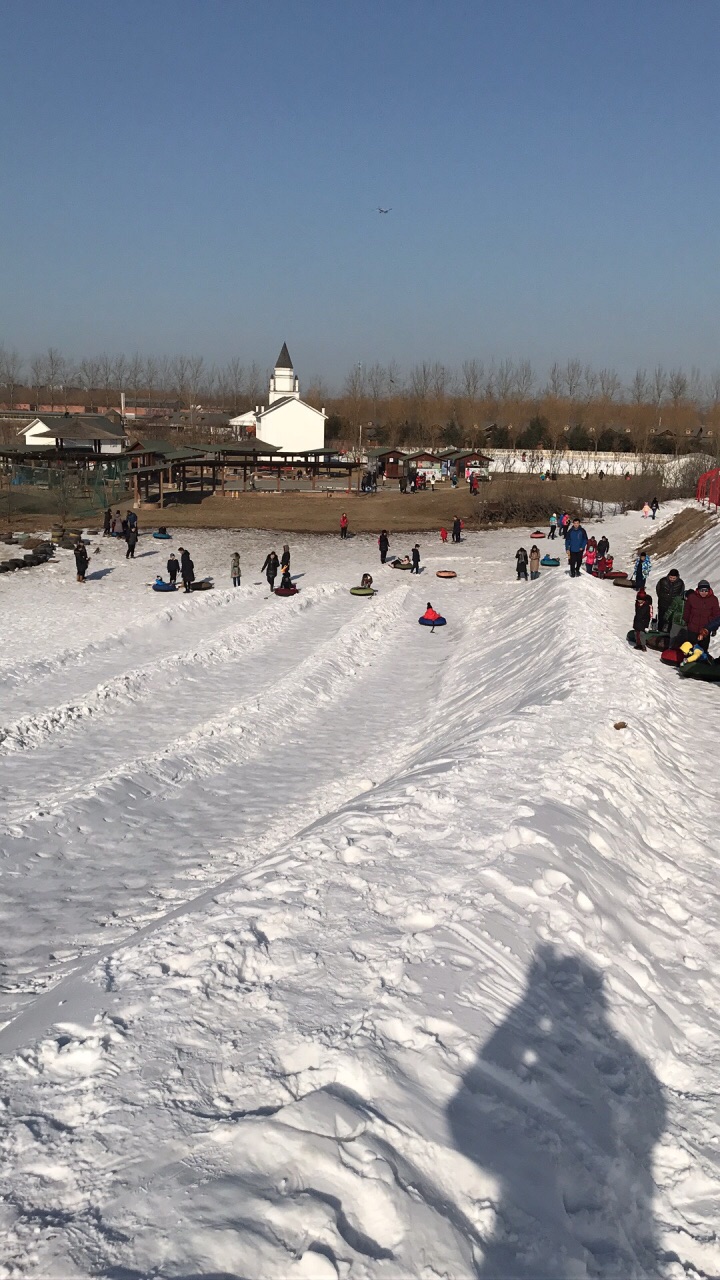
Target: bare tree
x=235, y=377
x=610, y=384
x=639, y=387
x=524, y=379
x=420, y=381
x=55, y=366
x=135, y=375
x=90, y=375
x=150, y=378
x=677, y=385
x=590, y=383
x=714, y=387
x=11, y=372
x=505, y=380
x=195, y=378
x=572, y=378
x=697, y=387
x=37, y=373
x=106, y=367
x=659, y=385
x=471, y=379
x=120, y=373
x=556, y=381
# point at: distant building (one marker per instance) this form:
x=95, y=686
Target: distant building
x=287, y=422
x=92, y=431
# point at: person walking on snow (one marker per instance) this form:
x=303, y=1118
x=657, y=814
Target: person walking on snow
x=270, y=568
x=521, y=561
x=603, y=547
x=235, y=569
x=131, y=539
x=107, y=522
x=456, y=529
x=187, y=568
x=384, y=545
x=553, y=525
x=701, y=614
x=590, y=555
x=668, y=589
x=81, y=561
x=173, y=568
x=415, y=555
x=534, y=563
x=285, y=558
x=641, y=570
x=645, y=511
x=654, y=505
x=443, y=535
x=643, y=615
x=343, y=525
x=575, y=544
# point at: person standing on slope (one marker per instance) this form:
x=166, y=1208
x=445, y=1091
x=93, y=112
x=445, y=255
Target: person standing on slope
x=131, y=539
x=270, y=568
x=654, y=506
x=590, y=555
x=641, y=570
x=553, y=525
x=415, y=555
x=384, y=545
x=173, y=568
x=534, y=563
x=456, y=529
x=235, y=569
x=285, y=557
x=603, y=547
x=701, y=614
x=643, y=615
x=343, y=525
x=521, y=562
x=575, y=544
x=669, y=588
x=187, y=568
x=81, y=561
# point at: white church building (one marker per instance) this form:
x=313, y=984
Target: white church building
x=287, y=422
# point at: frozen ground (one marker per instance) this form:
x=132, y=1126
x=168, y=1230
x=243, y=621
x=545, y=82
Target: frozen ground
x=333, y=947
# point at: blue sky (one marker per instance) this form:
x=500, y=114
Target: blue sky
x=202, y=176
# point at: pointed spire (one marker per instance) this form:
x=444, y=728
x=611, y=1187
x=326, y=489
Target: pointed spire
x=283, y=361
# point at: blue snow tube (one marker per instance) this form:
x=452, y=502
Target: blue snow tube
x=164, y=586
x=550, y=560
x=428, y=622
x=164, y=536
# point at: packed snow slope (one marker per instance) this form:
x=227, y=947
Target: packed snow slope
x=333, y=947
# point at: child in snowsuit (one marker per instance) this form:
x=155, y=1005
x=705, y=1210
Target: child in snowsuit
x=173, y=567
x=641, y=621
x=590, y=555
x=534, y=563
x=431, y=614
x=286, y=580
x=521, y=560
x=344, y=522
x=443, y=535
x=235, y=569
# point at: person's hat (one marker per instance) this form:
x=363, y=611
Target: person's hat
x=703, y=585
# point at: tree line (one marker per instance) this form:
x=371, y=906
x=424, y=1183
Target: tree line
x=498, y=403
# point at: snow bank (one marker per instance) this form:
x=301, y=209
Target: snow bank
x=336, y=948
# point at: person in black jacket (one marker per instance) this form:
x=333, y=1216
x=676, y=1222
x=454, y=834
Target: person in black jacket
x=643, y=614
x=384, y=545
x=603, y=547
x=270, y=569
x=668, y=588
x=187, y=568
x=131, y=539
x=81, y=561
x=285, y=558
x=457, y=529
x=173, y=567
x=521, y=560
x=415, y=554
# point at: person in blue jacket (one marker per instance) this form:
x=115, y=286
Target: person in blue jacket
x=575, y=544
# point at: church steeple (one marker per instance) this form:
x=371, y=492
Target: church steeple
x=283, y=382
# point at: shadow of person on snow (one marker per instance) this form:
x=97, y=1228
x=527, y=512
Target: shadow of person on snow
x=564, y=1113
x=98, y=573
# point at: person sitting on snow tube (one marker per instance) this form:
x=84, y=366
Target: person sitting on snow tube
x=695, y=652
x=641, y=621
x=286, y=582
x=430, y=614
x=366, y=580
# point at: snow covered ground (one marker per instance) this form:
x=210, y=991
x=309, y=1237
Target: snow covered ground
x=333, y=947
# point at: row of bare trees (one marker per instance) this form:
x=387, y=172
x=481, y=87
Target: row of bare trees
x=573, y=404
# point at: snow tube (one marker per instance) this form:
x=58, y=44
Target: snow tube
x=446, y=573
x=362, y=591
x=288, y=591
x=614, y=575
x=701, y=671
x=673, y=657
x=549, y=560
x=653, y=639
x=402, y=564
x=428, y=622
x=624, y=582
x=164, y=586
x=537, y=534
x=201, y=586
x=166, y=537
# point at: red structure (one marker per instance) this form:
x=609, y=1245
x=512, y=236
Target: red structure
x=708, y=488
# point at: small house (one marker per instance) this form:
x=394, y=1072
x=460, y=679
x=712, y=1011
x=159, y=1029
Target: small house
x=92, y=431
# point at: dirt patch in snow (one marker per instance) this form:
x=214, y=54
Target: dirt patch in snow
x=684, y=527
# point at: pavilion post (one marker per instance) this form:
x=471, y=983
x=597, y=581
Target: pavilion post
x=201, y=479
x=278, y=479
x=136, y=496
x=162, y=491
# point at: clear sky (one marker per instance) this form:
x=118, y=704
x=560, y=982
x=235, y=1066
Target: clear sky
x=203, y=175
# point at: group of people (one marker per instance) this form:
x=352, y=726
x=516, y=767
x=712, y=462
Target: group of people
x=272, y=566
x=184, y=567
x=118, y=526
x=686, y=617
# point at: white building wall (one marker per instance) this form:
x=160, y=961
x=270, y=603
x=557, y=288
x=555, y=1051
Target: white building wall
x=293, y=427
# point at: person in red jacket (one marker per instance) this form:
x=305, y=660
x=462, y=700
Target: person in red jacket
x=431, y=614
x=344, y=522
x=702, y=608
x=444, y=535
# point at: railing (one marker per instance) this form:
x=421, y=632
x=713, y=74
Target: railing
x=708, y=488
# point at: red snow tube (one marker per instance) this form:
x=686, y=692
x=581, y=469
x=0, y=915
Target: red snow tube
x=624, y=581
x=446, y=573
x=286, y=591
x=673, y=657
x=614, y=575
x=537, y=534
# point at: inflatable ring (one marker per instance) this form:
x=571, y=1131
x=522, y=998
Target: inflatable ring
x=653, y=639
x=201, y=586
x=362, y=591
x=400, y=564
x=550, y=561
x=612, y=576
x=446, y=573
x=673, y=657
x=164, y=586
x=537, y=534
x=625, y=582
x=165, y=537
x=701, y=670
x=428, y=622
x=286, y=591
